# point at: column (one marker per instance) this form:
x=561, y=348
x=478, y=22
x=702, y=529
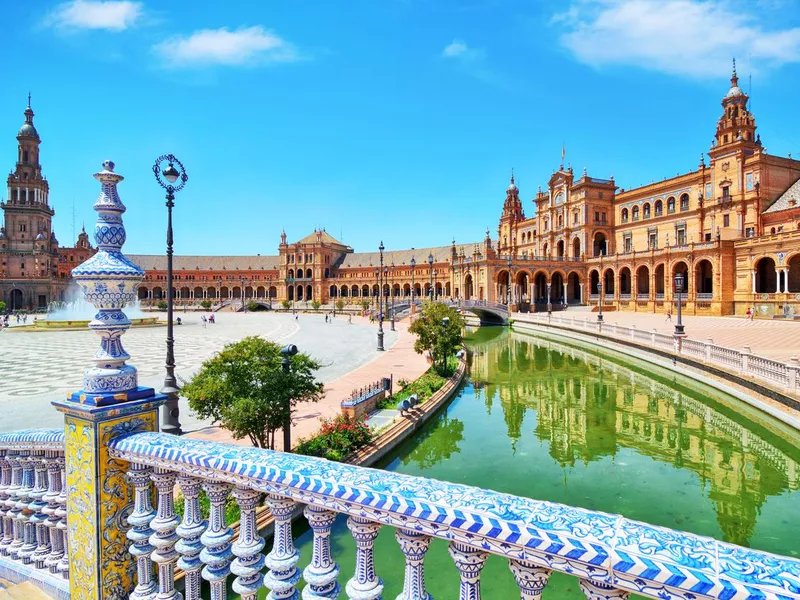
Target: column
x=580, y=291
x=191, y=528
x=530, y=578
x=754, y=280
x=98, y=494
x=322, y=573
x=414, y=545
x=469, y=563
x=247, y=548
x=282, y=560
x=365, y=584
x=549, y=299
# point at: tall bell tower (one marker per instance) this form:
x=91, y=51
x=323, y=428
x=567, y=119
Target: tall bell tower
x=28, y=247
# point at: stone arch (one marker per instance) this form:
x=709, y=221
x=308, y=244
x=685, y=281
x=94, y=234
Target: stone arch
x=261, y=292
x=211, y=292
x=142, y=293
x=333, y=291
x=576, y=247
x=624, y=215
x=407, y=290
x=659, y=208
x=643, y=280
x=16, y=299
x=309, y=293
x=608, y=281
x=354, y=291
x=599, y=244
x=574, y=294
x=365, y=291
x=560, y=249
x=704, y=277
x=625, y=281
x=273, y=291
x=766, y=276
x=793, y=274
x=198, y=293
x=469, y=290
x=594, y=281
x=646, y=210
x=681, y=267
x=185, y=293
x=660, y=281
x=290, y=273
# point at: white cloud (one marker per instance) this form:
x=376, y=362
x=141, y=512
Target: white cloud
x=459, y=49
x=114, y=15
x=696, y=38
x=242, y=47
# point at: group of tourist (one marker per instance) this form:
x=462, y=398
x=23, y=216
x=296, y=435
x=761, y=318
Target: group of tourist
x=206, y=320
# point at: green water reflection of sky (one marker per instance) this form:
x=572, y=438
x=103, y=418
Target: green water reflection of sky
x=567, y=424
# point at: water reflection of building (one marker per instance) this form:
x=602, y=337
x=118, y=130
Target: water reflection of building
x=588, y=407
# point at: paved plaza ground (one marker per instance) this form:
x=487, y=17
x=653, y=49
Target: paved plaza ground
x=39, y=367
x=773, y=338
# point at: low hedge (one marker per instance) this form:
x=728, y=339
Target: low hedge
x=337, y=438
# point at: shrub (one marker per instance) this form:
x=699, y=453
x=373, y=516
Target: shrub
x=232, y=512
x=315, y=304
x=162, y=305
x=206, y=304
x=428, y=383
x=365, y=304
x=251, y=306
x=337, y=438
x=286, y=304
x=340, y=304
x=2, y=306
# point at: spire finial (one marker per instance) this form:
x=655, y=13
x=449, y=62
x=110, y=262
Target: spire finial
x=734, y=66
x=563, y=154
x=29, y=99
x=512, y=174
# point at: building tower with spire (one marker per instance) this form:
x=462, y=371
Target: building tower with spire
x=512, y=214
x=28, y=249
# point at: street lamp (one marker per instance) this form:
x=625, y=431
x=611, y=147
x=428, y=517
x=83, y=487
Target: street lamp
x=430, y=268
x=286, y=352
x=413, y=266
x=599, y=301
x=391, y=294
x=244, y=295
x=679, y=332
x=167, y=179
x=508, y=261
x=333, y=298
x=380, y=306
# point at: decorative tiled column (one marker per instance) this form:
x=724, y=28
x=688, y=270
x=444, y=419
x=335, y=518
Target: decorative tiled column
x=99, y=496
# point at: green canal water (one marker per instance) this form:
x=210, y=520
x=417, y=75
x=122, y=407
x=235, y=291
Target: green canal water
x=572, y=424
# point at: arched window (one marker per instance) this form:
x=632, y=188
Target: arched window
x=560, y=198
x=670, y=205
x=659, y=208
x=685, y=202
x=624, y=215
x=646, y=211
x=575, y=218
x=635, y=213
x=546, y=223
x=560, y=221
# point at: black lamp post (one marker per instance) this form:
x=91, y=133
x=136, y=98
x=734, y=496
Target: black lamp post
x=509, y=280
x=286, y=352
x=167, y=179
x=430, y=268
x=679, y=288
x=244, y=295
x=391, y=293
x=333, y=298
x=599, y=301
x=380, y=306
x=413, y=267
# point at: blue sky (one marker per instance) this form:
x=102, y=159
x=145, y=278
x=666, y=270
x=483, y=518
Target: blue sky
x=377, y=119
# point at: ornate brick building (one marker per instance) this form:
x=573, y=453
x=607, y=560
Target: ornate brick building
x=28, y=246
x=731, y=227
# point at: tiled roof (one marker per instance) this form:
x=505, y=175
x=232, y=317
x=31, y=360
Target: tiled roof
x=783, y=201
x=326, y=238
x=403, y=257
x=156, y=262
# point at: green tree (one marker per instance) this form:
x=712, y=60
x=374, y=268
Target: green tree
x=2, y=306
x=253, y=306
x=244, y=389
x=315, y=304
x=365, y=304
x=438, y=329
x=206, y=304
x=340, y=304
x=162, y=305
x=286, y=304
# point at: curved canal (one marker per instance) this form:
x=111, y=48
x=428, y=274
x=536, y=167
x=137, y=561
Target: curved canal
x=569, y=424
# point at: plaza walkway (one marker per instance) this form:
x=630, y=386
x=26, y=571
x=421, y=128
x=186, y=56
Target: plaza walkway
x=37, y=367
x=400, y=362
x=775, y=339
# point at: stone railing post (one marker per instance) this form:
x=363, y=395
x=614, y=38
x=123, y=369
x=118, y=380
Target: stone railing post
x=98, y=494
x=191, y=528
x=414, y=546
x=678, y=342
x=709, y=343
x=365, y=584
x=745, y=354
x=282, y=560
x=530, y=578
x=469, y=562
x=653, y=333
x=794, y=376
x=323, y=572
x=594, y=590
x=247, y=548
x=633, y=332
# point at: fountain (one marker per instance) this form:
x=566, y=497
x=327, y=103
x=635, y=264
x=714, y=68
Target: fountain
x=78, y=313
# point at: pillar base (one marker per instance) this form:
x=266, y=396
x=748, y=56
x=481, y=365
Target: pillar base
x=99, y=495
x=109, y=398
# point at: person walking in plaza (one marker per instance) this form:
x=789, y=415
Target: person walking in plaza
x=752, y=312
x=669, y=316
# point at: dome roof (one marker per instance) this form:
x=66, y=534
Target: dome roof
x=734, y=92
x=28, y=130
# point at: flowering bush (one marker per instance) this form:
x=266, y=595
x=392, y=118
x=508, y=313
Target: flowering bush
x=337, y=438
